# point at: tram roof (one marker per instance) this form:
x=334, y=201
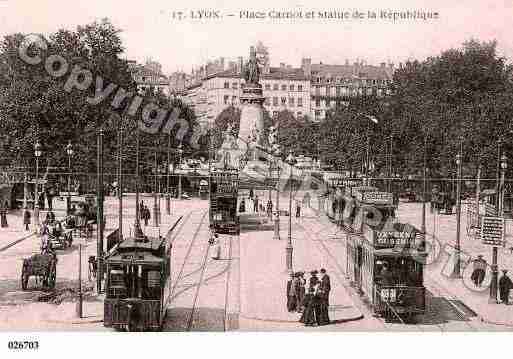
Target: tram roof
x=149, y=243
x=400, y=252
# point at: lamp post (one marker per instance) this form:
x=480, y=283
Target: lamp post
x=69, y=152
x=423, y=227
x=168, y=200
x=277, y=217
x=500, y=210
x=155, y=207
x=288, y=249
x=37, y=153
x=456, y=272
x=180, y=153
x=478, y=184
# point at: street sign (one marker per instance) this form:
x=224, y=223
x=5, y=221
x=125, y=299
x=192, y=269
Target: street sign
x=492, y=231
x=375, y=197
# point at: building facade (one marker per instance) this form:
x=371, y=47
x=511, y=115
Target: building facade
x=149, y=77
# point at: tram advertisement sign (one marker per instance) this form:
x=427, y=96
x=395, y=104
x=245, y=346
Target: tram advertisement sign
x=375, y=197
x=492, y=231
x=395, y=238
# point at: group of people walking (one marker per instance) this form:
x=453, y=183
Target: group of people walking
x=479, y=266
x=310, y=299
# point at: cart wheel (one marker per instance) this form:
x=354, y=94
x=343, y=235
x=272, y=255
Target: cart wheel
x=24, y=280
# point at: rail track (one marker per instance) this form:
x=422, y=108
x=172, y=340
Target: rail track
x=181, y=289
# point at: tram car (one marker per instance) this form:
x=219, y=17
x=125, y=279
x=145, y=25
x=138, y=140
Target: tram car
x=224, y=214
x=203, y=189
x=137, y=284
x=385, y=258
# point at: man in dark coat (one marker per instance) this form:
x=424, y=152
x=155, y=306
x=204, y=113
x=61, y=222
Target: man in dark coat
x=505, y=285
x=298, y=209
x=325, y=285
x=479, y=270
x=26, y=219
x=313, y=279
x=291, y=293
x=323, y=294
x=255, y=204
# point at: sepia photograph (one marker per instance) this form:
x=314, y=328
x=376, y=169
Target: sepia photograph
x=259, y=166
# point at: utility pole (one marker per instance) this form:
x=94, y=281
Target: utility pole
x=168, y=200
x=423, y=227
x=155, y=208
x=457, y=272
x=120, y=183
x=137, y=225
x=99, y=213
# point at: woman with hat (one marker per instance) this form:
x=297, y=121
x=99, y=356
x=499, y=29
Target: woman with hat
x=479, y=270
x=505, y=285
x=301, y=291
x=311, y=301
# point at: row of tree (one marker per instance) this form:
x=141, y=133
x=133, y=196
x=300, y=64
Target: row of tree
x=34, y=106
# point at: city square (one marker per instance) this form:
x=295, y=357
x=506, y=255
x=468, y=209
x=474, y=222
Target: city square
x=241, y=196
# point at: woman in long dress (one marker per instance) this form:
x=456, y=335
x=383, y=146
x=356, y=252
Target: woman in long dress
x=321, y=313
x=309, y=317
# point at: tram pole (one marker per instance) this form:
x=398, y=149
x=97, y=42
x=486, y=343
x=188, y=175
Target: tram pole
x=99, y=211
x=155, y=209
x=168, y=200
x=423, y=228
x=80, y=295
x=120, y=184
x=137, y=224
x=500, y=213
x=457, y=264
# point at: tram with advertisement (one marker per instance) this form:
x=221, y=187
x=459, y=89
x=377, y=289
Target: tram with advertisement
x=385, y=258
x=223, y=201
x=137, y=284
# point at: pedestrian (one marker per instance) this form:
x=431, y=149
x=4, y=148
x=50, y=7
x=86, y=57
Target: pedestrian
x=269, y=208
x=298, y=209
x=49, y=198
x=26, y=219
x=323, y=300
x=505, y=285
x=479, y=270
x=141, y=211
x=291, y=293
x=255, y=204
x=3, y=216
x=313, y=279
x=308, y=317
x=146, y=215
x=251, y=193
x=301, y=292
x=216, y=249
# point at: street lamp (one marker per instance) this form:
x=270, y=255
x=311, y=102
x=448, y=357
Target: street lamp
x=277, y=217
x=37, y=153
x=456, y=272
x=168, y=200
x=156, y=210
x=291, y=160
x=423, y=228
x=180, y=153
x=500, y=213
x=69, y=152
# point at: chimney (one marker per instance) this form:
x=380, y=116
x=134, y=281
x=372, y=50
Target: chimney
x=306, y=66
x=383, y=64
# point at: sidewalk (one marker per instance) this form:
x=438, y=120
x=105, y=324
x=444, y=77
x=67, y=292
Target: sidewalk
x=439, y=271
x=264, y=277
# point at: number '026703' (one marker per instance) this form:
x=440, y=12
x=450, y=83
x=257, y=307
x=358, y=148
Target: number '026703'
x=23, y=345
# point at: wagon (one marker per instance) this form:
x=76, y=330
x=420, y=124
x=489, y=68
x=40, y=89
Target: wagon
x=43, y=267
x=60, y=238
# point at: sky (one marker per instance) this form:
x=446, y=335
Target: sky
x=149, y=30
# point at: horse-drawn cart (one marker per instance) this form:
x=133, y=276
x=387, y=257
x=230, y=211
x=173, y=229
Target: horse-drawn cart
x=43, y=267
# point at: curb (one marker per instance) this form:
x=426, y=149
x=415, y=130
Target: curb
x=77, y=321
x=356, y=316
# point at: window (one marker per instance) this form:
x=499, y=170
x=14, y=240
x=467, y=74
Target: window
x=275, y=114
x=317, y=113
x=226, y=99
x=291, y=87
x=338, y=91
x=234, y=99
x=317, y=90
x=275, y=87
x=300, y=88
x=226, y=85
x=267, y=87
x=284, y=101
x=235, y=86
x=317, y=103
x=291, y=101
x=300, y=102
x=284, y=87
x=300, y=114
x=275, y=101
x=267, y=101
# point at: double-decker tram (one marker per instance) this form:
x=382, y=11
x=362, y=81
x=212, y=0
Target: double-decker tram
x=385, y=258
x=137, y=285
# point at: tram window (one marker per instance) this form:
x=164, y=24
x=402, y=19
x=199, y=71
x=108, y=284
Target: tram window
x=117, y=284
x=151, y=284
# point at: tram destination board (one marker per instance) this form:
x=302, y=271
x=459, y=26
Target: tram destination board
x=375, y=197
x=492, y=231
